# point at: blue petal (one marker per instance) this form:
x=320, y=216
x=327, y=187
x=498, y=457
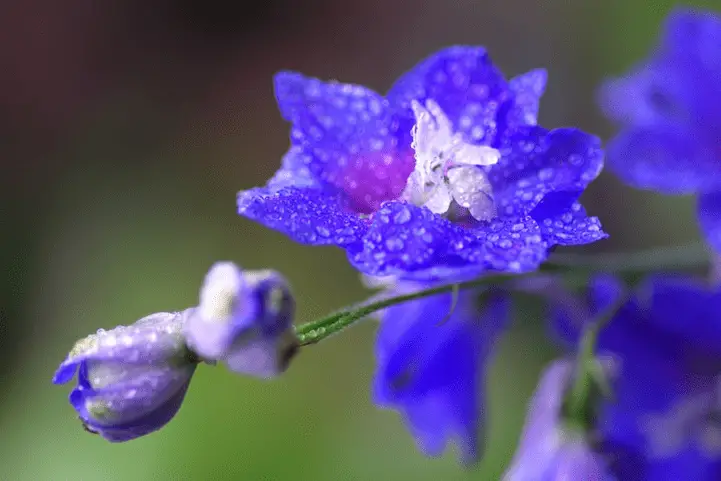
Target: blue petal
x=672, y=108
x=465, y=84
x=144, y=390
x=663, y=158
x=572, y=226
x=547, y=450
x=344, y=135
x=528, y=89
x=330, y=114
x=144, y=425
x=691, y=41
x=308, y=216
x=413, y=242
x=571, y=314
x=432, y=370
x=686, y=312
x=669, y=345
x=709, y=216
x=66, y=371
x=639, y=98
x=535, y=162
x=148, y=340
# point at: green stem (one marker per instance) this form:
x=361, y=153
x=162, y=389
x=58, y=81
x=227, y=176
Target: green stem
x=586, y=368
x=625, y=264
x=316, y=331
x=686, y=256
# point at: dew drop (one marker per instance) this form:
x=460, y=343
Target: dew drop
x=545, y=173
x=322, y=231
x=402, y=216
x=394, y=244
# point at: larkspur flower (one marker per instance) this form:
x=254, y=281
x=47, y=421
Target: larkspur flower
x=432, y=366
x=244, y=319
x=131, y=380
x=670, y=110
x=663, y=421
x=447, y=174
x=550, y=450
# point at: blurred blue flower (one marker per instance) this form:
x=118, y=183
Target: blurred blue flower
x=664, y=422
x=432, y=366
x=448, y=173
x=670, y=108
x=244, y=319
x=131, y=380
x=550, y=450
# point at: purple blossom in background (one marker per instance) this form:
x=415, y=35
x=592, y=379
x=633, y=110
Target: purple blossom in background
x=670, y=110
x=549, y=450
x=244, y=319
x=432, y=366
x=447, y=174
x=664, y=421
x=131, y=380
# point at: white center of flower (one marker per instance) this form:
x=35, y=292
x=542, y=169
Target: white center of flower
x=448, y=168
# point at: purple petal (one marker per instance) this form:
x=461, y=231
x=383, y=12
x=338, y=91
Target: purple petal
x=142, y=390
x=639, y=98
x=308, y=216
x=528, y=89
x=466, y=85
x=570, y=314
x=348, y=138
x=154, y=338
x=691, y=39
x=685, y=310
x=664, y=397
x=709, y=216
x=672, y=108
x=146, y=424
x=664, y=158
x=413, y=242
x=535, y=162
x=572, y=226
x=433, y=371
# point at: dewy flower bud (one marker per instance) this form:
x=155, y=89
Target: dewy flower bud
x=244, y=319
x=549, y=451
x=131, y=380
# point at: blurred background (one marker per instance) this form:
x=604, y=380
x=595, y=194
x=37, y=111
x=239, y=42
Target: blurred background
x=126, y=130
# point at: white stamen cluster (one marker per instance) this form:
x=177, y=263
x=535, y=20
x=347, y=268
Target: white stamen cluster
x=447, y=167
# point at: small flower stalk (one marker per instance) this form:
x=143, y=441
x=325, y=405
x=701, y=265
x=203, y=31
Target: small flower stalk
x=244, y=319
x=132, y=379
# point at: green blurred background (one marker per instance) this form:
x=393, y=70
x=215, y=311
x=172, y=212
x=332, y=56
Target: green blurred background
x=127, y=128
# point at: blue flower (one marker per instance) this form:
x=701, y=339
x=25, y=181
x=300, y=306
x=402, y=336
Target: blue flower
x=132, y=379
x=448, y=173
x=670, y=109
x=664, y=422
x=432, y=366
x=244, y=319
x=549, y=450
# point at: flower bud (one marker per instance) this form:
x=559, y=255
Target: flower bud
x=244, y=319
x=131, y=380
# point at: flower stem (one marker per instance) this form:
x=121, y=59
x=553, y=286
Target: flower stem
x=574, y=268
x=579, y=404
x=315, y=331
x=668, y=258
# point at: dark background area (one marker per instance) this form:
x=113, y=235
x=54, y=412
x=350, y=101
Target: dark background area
x=126, y=129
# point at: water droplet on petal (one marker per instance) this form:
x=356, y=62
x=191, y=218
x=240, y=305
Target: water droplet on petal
x=394, y=244
x=402, y=216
